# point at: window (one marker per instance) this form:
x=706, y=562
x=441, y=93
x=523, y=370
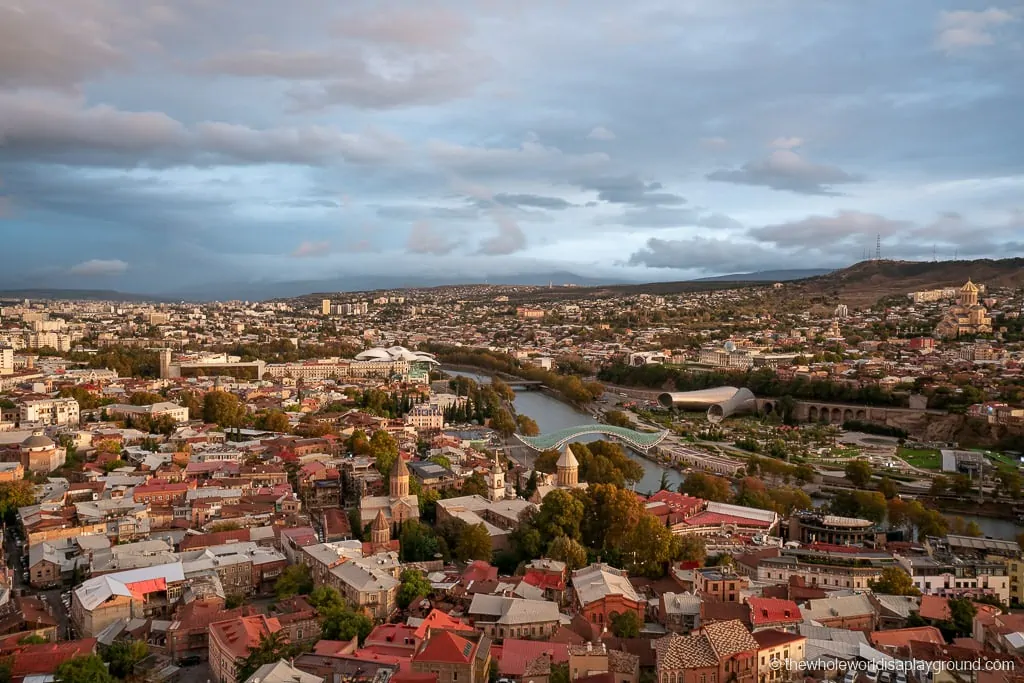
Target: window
x=455, y=675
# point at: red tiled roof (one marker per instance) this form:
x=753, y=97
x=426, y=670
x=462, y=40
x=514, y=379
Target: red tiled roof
x=441, y=621
x=773, y=610
x=544, y=580
x=479, y=570
x=934, y=607
x=199, y=541
x=446, y=648
x=902, y=637
x=516, y=654
x=242, y=634
x=703, y=518
x=44, y=659
x=772, y=638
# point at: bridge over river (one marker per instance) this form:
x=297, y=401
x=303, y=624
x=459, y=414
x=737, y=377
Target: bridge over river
x=641, y=441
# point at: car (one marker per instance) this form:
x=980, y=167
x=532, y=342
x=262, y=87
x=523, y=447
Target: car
x=850, y=676
x=901, y=677
x=885, y=677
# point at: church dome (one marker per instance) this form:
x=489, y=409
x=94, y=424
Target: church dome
x=38, y=440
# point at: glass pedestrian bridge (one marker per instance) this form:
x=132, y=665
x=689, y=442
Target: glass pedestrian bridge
x=642, y=441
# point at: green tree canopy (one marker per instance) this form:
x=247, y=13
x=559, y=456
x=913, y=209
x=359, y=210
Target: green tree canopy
x=414, y=587
x=419, y=543
x=626, y=625
x=223, y=408
x=858, y=472
x=474, y=543
x=526, y=425
x=294, y=580
x=706, y=486
x=894, y=581
x=568, y=550
x=123, y=655
x=84, y=669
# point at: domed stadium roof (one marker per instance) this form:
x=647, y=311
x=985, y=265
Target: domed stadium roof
x=38, y=440
x=396, y=353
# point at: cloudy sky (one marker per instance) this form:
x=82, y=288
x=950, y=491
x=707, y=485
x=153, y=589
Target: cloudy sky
x=152, y=145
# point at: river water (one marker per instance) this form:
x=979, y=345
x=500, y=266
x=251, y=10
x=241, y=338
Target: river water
x=551, y=415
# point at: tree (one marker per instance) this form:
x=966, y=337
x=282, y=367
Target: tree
x=689, y=548
x=788, y=500
x=648, y=549
x=224, y=409
x=122, y=656
x=611, y=514
x=568, y=550
x=503, y=423
x=294, y=580
x=384, y=450
x=706, y=486
x=617, y=418
x=888, y=488
x=961, y=618
x=894, y=581
x=962, y=484
x=414, y=586
x=418, y=542
x=84, y=669
x=859, y=472
x=940, y=485
x=526, y=425
x=560, y=514
x=626, y=625
x=474, y=543
x=14, y=495
x=345, y=624
x=273, y=421
x=664, y=484
x=474, y=485
x=145, y=398
x=225, y=526
x=33, y=639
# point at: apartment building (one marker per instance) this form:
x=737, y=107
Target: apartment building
x=49, y=411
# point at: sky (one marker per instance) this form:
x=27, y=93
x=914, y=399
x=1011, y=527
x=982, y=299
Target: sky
x=157, y=145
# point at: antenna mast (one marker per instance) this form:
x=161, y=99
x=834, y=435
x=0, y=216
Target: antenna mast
x=878, y=247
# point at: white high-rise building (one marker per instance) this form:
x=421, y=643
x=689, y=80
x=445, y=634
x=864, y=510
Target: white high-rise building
x=6, y=360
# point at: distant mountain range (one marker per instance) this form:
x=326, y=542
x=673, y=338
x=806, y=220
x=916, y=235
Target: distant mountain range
x=861, y=283
x=768, y=275
x=76, y=295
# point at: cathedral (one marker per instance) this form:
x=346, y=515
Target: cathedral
x=396, y=507
x=967, y=318
x=567, y=476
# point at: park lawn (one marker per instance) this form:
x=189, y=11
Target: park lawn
x=1002, y=459
x=925, y=458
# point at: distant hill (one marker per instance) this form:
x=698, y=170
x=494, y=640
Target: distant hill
x=768, y=275
x=76, y=295
x=865, y=283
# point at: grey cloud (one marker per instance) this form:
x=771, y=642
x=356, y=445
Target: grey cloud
x=312, y=249
x=784, y=169
x=412, y=212
x=277, y=64
x=665, y=217
x=99, y=268
x=426, y=26
x=705, y=255
x=963, y=29
x=532, y=157
x=631, y=190
x=424, y=239
x=510, y=237
x=42, y=44
x=600, y=133
x=817, y=231
x=532, y=200
x=62, y=128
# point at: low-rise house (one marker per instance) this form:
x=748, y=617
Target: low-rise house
x=775, y=614
x=603, y=592
x=366, y=586
x=679, y=612
x=135, y=594
x=282, y=672
x=550, y=576
x=723, y=652
x=780, y=647
x=40, y=662
x=851, y=612
x=188, y=634
x=52, y=563
x=501, y=617
x=453, y=659
x=716, y=584
x=232, y=639
x=594, y=659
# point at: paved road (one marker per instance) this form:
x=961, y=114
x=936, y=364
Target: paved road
x=12, y=557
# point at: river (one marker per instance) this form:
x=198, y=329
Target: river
x=551, y=415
